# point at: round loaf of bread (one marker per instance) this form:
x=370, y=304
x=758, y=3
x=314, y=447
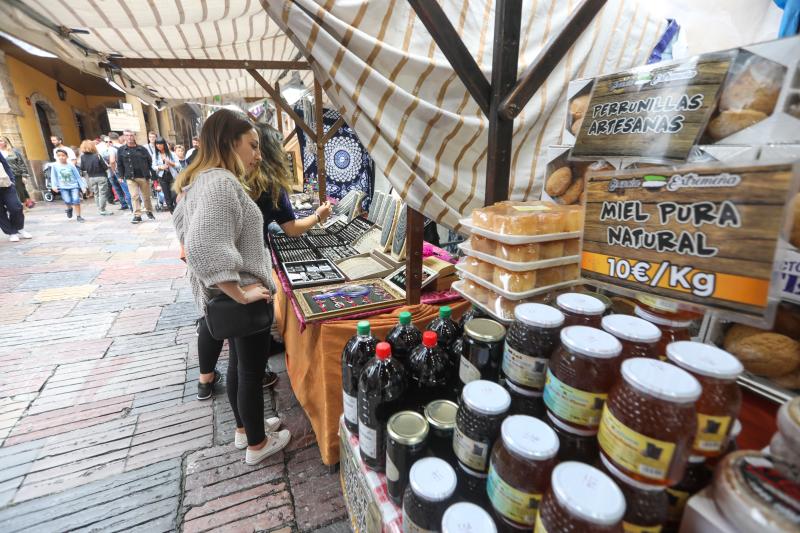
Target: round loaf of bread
x=789, y=381
x=573, y=194
x=578, y=106
x=767, y=354
x=576, y=126
x=738, y=332
x=729, y=122
x=558, y=182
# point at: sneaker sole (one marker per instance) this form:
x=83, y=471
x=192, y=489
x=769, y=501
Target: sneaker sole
x=268, y=428
x=281, y=441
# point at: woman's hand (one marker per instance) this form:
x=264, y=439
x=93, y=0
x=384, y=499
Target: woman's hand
x=324, y=211
x=254, y=293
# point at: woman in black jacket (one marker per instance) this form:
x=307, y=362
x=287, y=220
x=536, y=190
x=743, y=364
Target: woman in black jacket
x=96, y=169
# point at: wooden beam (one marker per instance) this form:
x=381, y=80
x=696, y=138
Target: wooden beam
x=508, y=14
x=233, y=64
x=289, y=137
x=547, y=60
x=415, y=228
x=332, y=131
x=278, y=108
x=278, y=98
x=319, y=111
x=451, y=45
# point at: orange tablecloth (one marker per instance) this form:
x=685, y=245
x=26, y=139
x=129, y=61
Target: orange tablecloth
x=313, y=362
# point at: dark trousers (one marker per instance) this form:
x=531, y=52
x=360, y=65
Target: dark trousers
x=166, y=188
x=12, y=218
x=124, y=200
x=22, y=192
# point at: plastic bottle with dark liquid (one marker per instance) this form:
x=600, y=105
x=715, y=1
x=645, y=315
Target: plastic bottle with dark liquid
x=429, y=374
x=454, y=353
x=445, y=328
x=403, y=338
x=381, y=387
x=356, y=354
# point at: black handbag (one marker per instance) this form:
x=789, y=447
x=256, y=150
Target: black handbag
x=227, y=318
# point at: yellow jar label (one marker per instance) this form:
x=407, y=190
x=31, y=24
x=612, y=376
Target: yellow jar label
x=471, y=453
x=539, y=528
x=515, y=505
x=677, y=501
x=712, y=432
x=633, y=451
x=523, y=369
x=571, y=404
x=627, y=527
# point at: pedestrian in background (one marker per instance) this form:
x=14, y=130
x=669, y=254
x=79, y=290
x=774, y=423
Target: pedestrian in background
x=118, y=182
x=58, y=143
x=190, y=153
x=166, y=166
x=180, y=153
x=19, y=166
x=96, y=169
x=67, y=180
x=135, y=166
x=12, y=218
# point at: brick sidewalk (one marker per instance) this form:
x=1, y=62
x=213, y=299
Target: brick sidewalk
x=99, y=425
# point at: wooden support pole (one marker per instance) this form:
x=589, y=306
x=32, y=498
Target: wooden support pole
x=278, y=109
x=333, y=129
x=508, y=14
x=454, y=49
x=277, y=97
x=289, y=137
x=538, y=71
x=319, y=111
x=415, y=229
x=233, y=64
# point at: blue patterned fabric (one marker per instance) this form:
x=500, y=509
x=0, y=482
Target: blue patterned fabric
x=348, y=165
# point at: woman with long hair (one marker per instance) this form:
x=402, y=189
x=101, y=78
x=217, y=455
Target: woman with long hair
x=166, y=167
x=96, y=169
x=19, y=165
x=221, y=229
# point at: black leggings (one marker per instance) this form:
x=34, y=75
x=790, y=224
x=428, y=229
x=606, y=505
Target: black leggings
x=166, y=188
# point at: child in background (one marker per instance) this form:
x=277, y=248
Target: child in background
x=67, y=181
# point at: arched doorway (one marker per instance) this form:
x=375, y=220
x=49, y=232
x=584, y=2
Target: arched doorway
x=48, y=121
x=44, y=124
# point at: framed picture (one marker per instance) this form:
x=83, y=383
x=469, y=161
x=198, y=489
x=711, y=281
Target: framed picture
x=332, y=301
x=398, y=277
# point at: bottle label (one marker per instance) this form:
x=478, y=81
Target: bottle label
x=410, y=527
x=467, y=371
x=627, y=527
x=677, y=501
x=471, y=453
x=539, y=528
x=573, y=405
x=392, y=473
x=367, y=440
x=633, y=451
x=523, y=369
x=515, y=505
x=712, y=432
x=350, y=408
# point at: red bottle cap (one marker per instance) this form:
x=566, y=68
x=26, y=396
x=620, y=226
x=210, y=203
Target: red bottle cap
x=429, y=339
x=383, y=351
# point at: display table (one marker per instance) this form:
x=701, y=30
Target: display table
x=314, y=354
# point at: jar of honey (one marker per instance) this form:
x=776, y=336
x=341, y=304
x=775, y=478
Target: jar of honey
x=581, y=372
x=672, y=330
x=719, y=403
x=522, y=461
x=580, y=309
x=697, y=477
x=638, y=337
x=431, y=484
x=645, y=507
x=466, y=517
x=575, y=444
x=523, y=401
x=670, y=309
x=483, y=407
x=649, y=422
x=531, y=339
x=581, y=499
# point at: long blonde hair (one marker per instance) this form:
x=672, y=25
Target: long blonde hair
x=217, y=138
x=273, y=175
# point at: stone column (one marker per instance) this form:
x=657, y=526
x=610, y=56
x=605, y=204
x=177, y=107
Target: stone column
x=152, y=117
x=9, y=106
x=141, y=135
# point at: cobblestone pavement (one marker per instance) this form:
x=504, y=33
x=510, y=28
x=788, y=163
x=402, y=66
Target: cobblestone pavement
x=99, y=425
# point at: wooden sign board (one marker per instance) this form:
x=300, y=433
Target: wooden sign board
x=657, y=112
x=707, y=235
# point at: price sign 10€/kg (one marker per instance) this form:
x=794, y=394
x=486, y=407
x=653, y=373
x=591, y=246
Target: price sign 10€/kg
x=707, y=235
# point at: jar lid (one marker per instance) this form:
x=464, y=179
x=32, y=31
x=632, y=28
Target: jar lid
x=588, y=493
x=486, y=397
x=407, y=427
x=704, y=359
x=441, y=414
x=529, y=437
x=539, y=315
x=433, y=479
x=524, y=392
x=660, y=320
x=580, y=303
x=465, y=517
x=591, y=342
x=661, y=380
x=484, y=329
x=631, y=328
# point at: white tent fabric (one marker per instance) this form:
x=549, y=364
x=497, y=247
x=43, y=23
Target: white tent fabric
x=382, y=70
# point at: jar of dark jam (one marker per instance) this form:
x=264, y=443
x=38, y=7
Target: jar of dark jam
x=466, y=517
x=672, y=329
x=482, y=351
x=580, y=309
x=522, y=461
x=431, y=484
x=645, y=506
x=530, y=341
x=441, y=417
x=524, y=402
x=575, y=444
x=472, y=486
x=581, y=499
x=483, y=406
x=406, y=435
x=649, y=422
x=696, y=478
x=721, y=399
x=580, y=374
x=638, y=337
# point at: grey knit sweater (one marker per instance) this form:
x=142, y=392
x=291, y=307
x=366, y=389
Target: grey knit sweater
x=221, y=229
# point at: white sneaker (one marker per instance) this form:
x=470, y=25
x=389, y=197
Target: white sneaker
x=14, y=238
x=275, y=443
x=24, y=234
x=270, y=425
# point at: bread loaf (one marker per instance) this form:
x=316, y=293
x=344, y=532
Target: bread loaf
x=729, y=122
x=558, y=182
x=573, y=194
x=767, y=354
x=756, y=87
